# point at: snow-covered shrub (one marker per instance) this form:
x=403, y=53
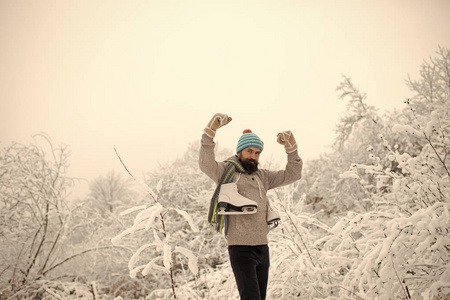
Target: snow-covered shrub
x=397, y=249
x=160, y=244
x=34, y=212
x=296, y=270
x=379, y=230
x=400, y=248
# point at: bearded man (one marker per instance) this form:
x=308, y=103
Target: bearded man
x=246, y=233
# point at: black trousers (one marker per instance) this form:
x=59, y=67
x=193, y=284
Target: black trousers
x=250, y=266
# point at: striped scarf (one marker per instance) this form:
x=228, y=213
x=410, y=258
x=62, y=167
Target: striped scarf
x=220, y=222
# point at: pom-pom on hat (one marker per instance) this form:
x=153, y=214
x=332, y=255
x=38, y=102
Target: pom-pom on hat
x=249, y=139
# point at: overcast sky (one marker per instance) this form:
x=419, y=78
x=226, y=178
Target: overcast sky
x=146, y=76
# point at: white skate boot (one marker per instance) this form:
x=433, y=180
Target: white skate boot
x=273, y=218
x=233, y=203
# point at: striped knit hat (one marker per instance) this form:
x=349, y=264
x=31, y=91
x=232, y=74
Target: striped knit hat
x=249, y=139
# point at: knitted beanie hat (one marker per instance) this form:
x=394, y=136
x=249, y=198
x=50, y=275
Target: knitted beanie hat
x=249, y=139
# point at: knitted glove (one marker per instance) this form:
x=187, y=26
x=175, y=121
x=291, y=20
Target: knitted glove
x=216, y=122
x=287, y=139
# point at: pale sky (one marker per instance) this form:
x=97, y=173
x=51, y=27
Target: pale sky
x=146, y=76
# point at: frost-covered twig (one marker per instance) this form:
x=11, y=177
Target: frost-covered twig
x=145, y=186
x=353, y=293
x=54, y=294
x=442, y=160
x=428, y=139
x=400, y=281
x=44, y=272
x=94, y=290
x=298, y=232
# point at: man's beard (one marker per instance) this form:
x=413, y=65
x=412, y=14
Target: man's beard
x=250, y=165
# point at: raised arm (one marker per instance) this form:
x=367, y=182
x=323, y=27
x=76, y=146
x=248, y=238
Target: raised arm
x=293, y=170
x=207, y=159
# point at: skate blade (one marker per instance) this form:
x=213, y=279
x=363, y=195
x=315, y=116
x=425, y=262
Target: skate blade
x=273, y=224
x=274, y=221
x=245, y=211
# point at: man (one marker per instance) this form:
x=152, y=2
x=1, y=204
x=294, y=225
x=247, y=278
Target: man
x=247, y=233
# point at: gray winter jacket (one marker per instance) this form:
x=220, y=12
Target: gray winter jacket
x=249, y=229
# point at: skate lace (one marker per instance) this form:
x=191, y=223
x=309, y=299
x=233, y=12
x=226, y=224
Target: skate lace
x=257, y=180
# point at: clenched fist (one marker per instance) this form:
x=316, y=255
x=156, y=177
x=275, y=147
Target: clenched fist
x=287, y=139
x=216, y=122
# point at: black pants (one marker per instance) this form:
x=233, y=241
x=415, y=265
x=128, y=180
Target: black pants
x=250, y=266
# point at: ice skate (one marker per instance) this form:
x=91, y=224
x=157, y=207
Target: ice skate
x=273, y=218
x=233, y=203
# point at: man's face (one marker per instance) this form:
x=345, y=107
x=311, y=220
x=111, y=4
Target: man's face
x=249, y=158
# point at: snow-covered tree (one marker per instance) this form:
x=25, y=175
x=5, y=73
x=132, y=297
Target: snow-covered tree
x=34, y=211
x=432, y=88
x=108, y=192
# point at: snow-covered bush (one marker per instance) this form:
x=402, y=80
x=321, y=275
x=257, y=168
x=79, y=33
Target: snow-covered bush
x=397, y=249
x=34, y=212
x=161, y=250
x=381, y=229
x=401, y=247
x=46, y=240
x=296, y=270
